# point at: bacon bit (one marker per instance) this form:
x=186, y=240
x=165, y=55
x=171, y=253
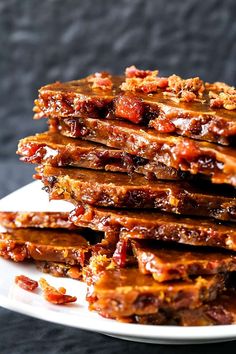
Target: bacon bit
x=219, y=87
x=162, y=125
x=55, y=296
x=18, y=254
x=224, y=99
x=30, y=149
x=10, y=250
x=101, y=80
x=129, y=107
x=186, y=149
x=132, y=71
x=79, y=210
x=143, y=80
x=188, y=96
x=187, y=90
x=146, y=85
x=26, y=283
x=120, y=253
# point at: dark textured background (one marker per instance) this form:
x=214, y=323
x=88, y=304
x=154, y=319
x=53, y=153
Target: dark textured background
x=43, y=41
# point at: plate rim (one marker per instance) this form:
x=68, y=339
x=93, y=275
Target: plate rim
x=178, y=333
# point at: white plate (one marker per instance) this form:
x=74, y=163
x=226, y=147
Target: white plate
x=77, y=315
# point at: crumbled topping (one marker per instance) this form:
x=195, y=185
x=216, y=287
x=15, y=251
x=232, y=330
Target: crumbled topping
x=220, y=87
x=101, y=80
x=143, y=80
x=176, y=88
x=55, y=296
x=187, y=90
x=97, y=264
x=222, y=96
x=26, y=283
x=132, y=71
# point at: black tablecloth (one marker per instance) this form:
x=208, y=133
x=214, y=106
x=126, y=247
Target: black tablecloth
x=21, y=334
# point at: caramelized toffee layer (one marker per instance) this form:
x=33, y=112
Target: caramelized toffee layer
x=109, y=189
x=216, y=162
x=194, y=119
x=121, y=293
x=57, y=150
x=21, y=219
x=167, y=263
x=44, y=245
x=157, y=226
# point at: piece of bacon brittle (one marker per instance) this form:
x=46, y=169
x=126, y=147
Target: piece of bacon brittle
x=55, y=296
x=101, y=80
x=26, y=283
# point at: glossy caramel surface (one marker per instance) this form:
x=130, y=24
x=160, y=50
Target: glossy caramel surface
x=166, y=262
x=57, y=238
x=83, y=89
x=194, y=119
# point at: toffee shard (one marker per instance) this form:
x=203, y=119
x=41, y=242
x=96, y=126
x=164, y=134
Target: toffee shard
x=119, y=292
x=149, y=225
x=162, y=110
x=122, y=191
x=169, y=262
x=218, y=163
x=52, y=148
x=44, y=245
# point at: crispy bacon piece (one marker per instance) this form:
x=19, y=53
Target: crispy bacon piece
x=186, y=149
x=187, y=90
x=143, y=80
x=132, y=71
x=224, y=99
x=120, y=253
x=129, y=107
x=162, y=125
x=55, y=296
x=26, y=283
x=219, y=87
x=101, y=80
